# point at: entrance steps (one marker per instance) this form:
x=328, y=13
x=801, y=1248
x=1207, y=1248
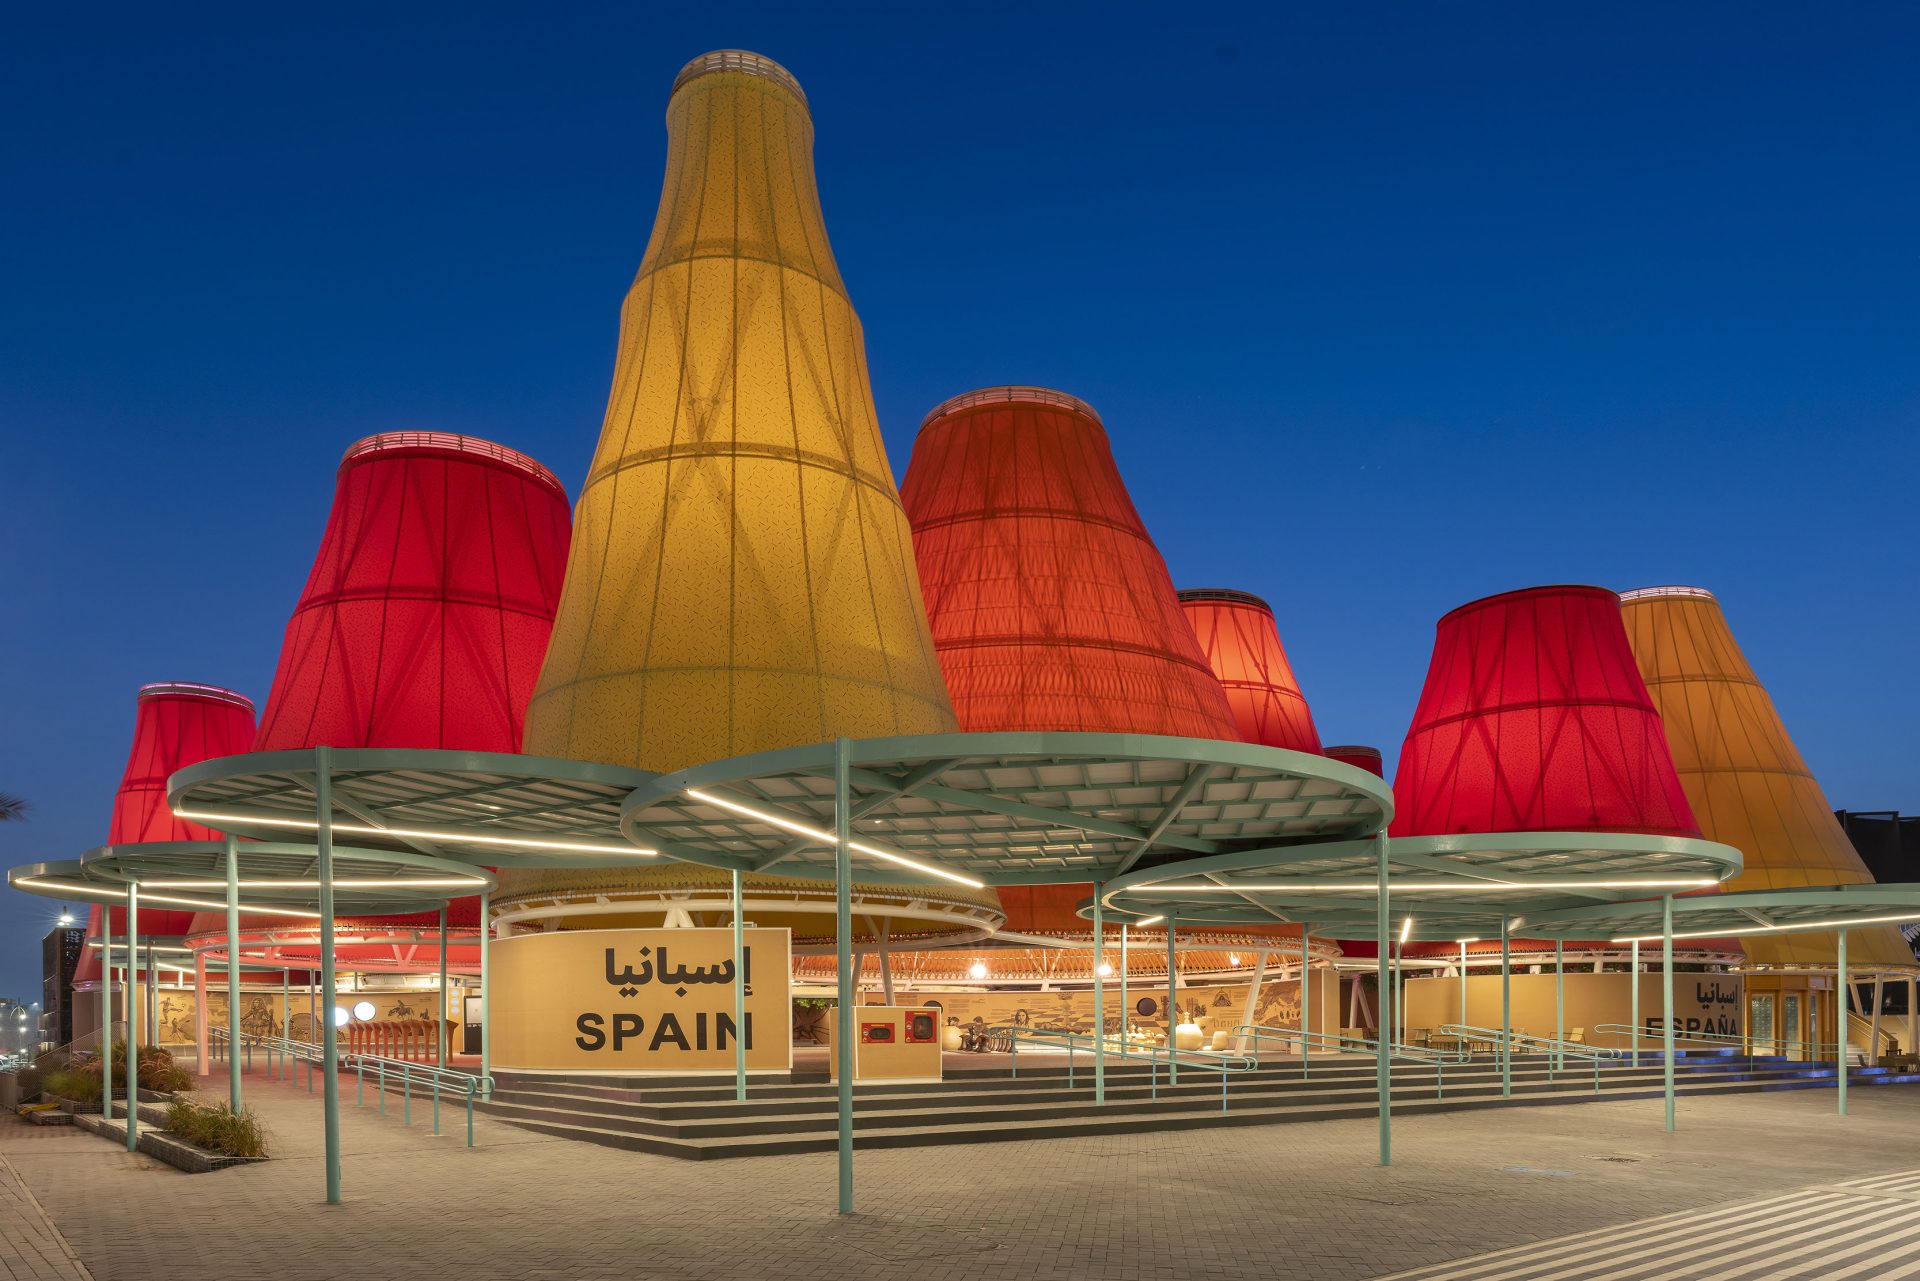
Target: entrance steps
x=697, y=1117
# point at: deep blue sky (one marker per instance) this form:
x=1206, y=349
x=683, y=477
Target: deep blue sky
x=1386, y=308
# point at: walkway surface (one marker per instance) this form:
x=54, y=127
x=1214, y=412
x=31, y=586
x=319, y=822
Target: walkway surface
x=1303, y=1200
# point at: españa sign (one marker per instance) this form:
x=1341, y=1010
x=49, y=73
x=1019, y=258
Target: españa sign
x=639, y=1000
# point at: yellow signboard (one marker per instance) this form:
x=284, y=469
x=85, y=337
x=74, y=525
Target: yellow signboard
x=639, y=1001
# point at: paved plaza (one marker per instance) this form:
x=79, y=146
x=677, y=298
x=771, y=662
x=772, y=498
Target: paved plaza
x=1304, y=1200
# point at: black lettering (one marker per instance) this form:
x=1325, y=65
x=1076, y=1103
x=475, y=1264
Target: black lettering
x=626, y=1027
x=591, y=1037
x=668, y=1028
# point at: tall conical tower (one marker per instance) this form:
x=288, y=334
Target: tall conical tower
x=1747, y=782
x=742, y=577
x=1534, y=719
x=1237, y=633
x=1051, y=607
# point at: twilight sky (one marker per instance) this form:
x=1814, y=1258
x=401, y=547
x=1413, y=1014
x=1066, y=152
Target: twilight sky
x=1385, y=307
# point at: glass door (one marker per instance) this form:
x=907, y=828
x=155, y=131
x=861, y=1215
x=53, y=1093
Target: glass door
x=1760, y=1034
x=1790, y=1024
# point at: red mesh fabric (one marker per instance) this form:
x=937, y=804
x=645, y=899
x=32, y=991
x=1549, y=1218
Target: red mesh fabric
x=1534, y=718
x=175, y=724
x=1050, y=607
x=1237, y=633
x=1366, y=758
x=425, y=619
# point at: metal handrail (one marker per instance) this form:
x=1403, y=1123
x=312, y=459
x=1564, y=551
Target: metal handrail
x=1224, y=1064
x=1556, y=1049
x=399, y=1072
x=1818, y=1051
x=1352, y=1045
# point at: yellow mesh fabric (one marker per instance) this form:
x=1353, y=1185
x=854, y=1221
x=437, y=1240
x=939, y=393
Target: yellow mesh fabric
x=1747, y=784
x=742, y=577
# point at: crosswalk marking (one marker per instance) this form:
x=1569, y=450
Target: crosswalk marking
x=1865, y=1227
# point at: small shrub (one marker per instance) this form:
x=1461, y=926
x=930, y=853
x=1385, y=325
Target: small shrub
x=217, y=1128
x=74, y=1083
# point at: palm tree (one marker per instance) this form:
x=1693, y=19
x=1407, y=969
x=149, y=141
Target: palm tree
x=12, y=808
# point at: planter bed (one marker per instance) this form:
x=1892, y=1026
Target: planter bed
x=153, y=1139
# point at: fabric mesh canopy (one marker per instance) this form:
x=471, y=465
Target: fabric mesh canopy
x=742, y=576
x=1358, y=756
x=1237, y=633
x=1051, y=607
x=1534, y=719
x=427, y=612
x=175, y=724
x=1746, y=780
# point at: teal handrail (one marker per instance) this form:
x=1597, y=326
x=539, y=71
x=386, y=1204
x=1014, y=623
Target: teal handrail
x=400, y=1072
x=1817, y=1051
x=1352, y=1045
x=1520, y=1041
x=1224, y=1064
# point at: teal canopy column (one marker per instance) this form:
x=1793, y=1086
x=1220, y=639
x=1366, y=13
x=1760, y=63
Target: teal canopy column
x=739, y=997
x=1382, y=1068
x=329, y=1041
x=131, y=1003
x=1173, y=1008
x=106, y=1013
x=1398, y=992
x=1636, y=1002
x=1842, y=1009
x=1126, y=1010
x=440, y=1023
x=1306, y=994
x=1666, y=989
x=843, y=960
x=1463, y=982
x=1099, y=1007
x=486, y=992
x=1559, y=1004
x=1506, y=1006
x=233, y=973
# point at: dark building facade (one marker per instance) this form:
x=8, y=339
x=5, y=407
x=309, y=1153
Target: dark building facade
x=59, y=956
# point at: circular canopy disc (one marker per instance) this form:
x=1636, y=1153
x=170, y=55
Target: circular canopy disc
x=274, y=877
x=1452, y=886
x=1005, y=809
x=496, y=808
x=1736, y=914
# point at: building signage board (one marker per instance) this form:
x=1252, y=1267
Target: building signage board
x=639, y=1001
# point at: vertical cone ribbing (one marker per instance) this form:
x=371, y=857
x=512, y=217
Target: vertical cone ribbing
x=742, y=577
x=1237, y=633
x=1746, y=780
x=1534, y=718
x=175, y=724
x=426, y=615
x=1051, y=607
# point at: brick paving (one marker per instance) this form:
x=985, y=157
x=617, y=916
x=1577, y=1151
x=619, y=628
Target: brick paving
x=1303, y=1200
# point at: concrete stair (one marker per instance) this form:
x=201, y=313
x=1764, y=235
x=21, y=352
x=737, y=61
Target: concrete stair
x=697, y=1117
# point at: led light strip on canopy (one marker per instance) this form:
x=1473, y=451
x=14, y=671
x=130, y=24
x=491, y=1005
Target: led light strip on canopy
x=1452, y=885
x=1736, y=914
x=1003, y=808
x=499, y=809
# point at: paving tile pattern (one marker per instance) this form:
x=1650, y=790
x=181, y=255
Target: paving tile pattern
x=1303, y=1201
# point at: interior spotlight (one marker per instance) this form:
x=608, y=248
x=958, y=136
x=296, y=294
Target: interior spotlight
x=363, y=1010
x=1104, y=969
x=340, y=1016
x=977, y=970
x=66, y=918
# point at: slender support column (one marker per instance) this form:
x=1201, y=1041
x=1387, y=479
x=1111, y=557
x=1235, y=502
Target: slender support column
x=1382, y=1067
x=1173, y=1007
x=486, y=990
x=739, y=995
x=106, y=1010
x=132, y=1001
x=843, y=1048
x=329, y=1040
x=286, y=1016
x=1559, y=1002
x=1250, y=1009
x=1126, y=1010
x=1506, y=1006
x=1913, y=1016
x=233, y=973
x=1873, y=1035
x=886, y=960
x=201, y=1067
x=1099, y=1005
x=1463, y=983
x=153, y=994
x=1306, y=994
x=1842, y=1010
x=1636, y=1002
x=1666, y=1000
x=440, y=1023
x=1394, y=1027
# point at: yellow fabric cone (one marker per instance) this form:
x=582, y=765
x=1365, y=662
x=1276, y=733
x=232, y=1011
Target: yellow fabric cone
x=1746, y=781
x=742, y=577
